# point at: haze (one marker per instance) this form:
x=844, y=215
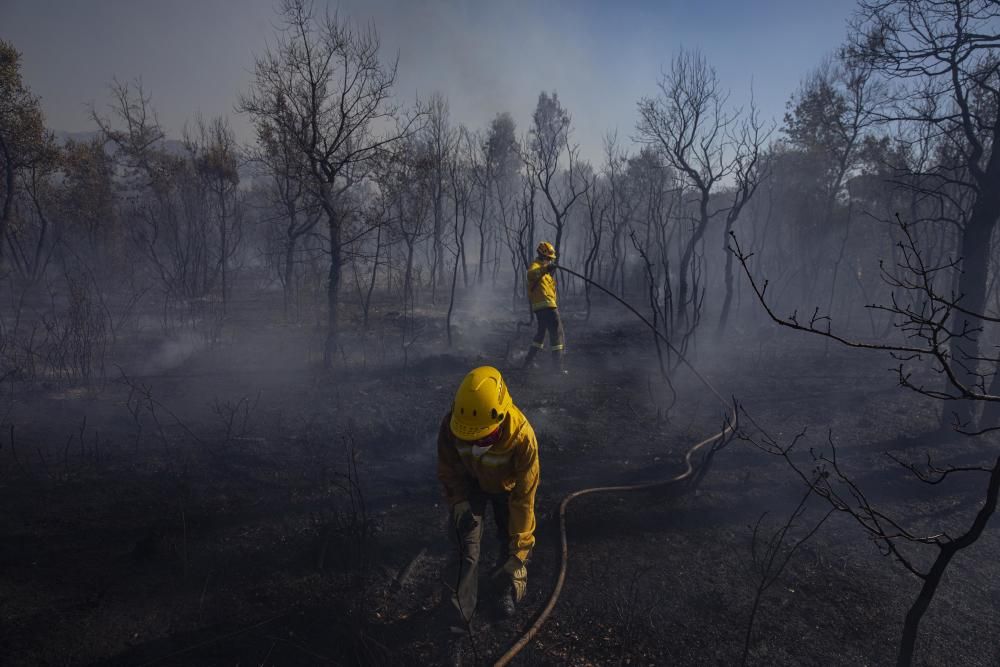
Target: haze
x=485, y=57
x=642, y=333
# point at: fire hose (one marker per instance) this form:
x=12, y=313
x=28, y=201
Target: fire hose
x=532, y=632
x=689, y=470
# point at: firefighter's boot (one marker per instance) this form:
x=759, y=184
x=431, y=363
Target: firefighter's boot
x=507, y=606
x=529, y=359
x=558, y=365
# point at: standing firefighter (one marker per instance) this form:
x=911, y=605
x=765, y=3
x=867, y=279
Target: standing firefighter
x=542, y=294
x=487, y=454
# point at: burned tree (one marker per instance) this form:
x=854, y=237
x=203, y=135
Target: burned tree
x=440, y=142
x=408, y=183
x=941, y=58
x=376, y=215
x=749, y=171
x=216, y=162
x=23, y=137
x=924, y=311
x=623, y=197
x=822, y=471
x=556, y=177
x=289, y=192
x=462, y=178
x=88, y=201
x=168, y=198
x=501, y=175
x=34, y=230
x=324, y=85
x=828, y=124
x=688, y=123
x=596, y=202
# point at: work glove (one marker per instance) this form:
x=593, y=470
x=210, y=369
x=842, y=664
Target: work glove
x=551, y=268
x=518, y=573
x=463, y=517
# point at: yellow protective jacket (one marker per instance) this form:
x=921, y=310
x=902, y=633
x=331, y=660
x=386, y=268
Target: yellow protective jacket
x=510, y=466
x=541, y=285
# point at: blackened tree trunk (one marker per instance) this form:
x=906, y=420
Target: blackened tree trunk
x=933, y=577
x=684, y=286
x=333, y=289
x=8, y=195
x=482, y=256
x=289, y=271
x=461, y=202
x=976, y=240
x=371, y=283
x=749, y=175
x=223, y=248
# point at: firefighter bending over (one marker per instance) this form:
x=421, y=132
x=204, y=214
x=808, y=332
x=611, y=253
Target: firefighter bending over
x=488, y=455
x=542, y=294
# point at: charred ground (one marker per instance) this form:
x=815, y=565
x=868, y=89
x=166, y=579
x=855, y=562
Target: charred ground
x=244, y=506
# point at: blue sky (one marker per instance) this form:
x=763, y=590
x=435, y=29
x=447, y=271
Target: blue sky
x=601, y=57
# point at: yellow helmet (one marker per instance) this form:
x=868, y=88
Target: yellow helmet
x=546, y=249
x=481, y=403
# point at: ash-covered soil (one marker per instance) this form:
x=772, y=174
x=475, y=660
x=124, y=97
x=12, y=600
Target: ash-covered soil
x=240, y=506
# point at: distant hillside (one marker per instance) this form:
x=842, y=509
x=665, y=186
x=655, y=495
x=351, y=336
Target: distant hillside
x=172, y=146
x=62, y=136
x=248, y=171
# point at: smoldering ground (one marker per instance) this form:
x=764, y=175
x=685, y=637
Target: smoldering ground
x=238, y=494
x=207, y=487
x=226, y=345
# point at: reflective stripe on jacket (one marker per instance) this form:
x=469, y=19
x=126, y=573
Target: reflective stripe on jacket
x=510, y=466
x=541, y=285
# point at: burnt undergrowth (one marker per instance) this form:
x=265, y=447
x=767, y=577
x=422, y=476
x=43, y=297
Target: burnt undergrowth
x=214, y=514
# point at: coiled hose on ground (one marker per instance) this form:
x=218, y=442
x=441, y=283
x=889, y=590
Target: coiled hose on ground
x=689, y=470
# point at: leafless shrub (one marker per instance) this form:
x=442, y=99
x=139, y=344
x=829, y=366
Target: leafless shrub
x=830, y=482
x=343, y=520
x=142, y=404
x=13, y=451
x=633, y=609
x=68, y=340
x=770, y=555
x=235, y=418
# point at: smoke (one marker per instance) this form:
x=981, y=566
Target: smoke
x=483, y=322
x=173, y=352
